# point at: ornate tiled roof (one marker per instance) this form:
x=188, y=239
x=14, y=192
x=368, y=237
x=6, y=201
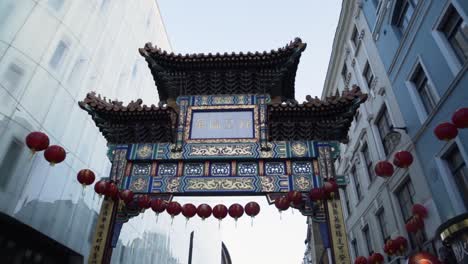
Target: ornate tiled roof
x=235, y=73
x=131, y=123
x=315, y=119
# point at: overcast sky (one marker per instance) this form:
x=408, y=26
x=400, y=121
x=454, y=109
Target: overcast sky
x=252, y=25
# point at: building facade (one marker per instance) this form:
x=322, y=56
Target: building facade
x=382, y=46
x=51, y=53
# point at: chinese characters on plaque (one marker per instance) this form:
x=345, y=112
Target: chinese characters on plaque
x=338, y=232
x=100, y=233
x=222, y=124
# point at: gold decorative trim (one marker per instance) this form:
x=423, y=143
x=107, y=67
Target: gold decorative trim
x=222, y=140
x=454, y=228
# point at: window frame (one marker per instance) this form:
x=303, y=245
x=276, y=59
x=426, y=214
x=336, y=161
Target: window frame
x=355, y=37
x=368, y=239
x=367, y=69
x=404, y=209
x=357, y=183
x=448, y=14
x=344, y=72
x=400, y=11
x=384, y=112
x=452, y=177
x=383, y=228
x=369, y=163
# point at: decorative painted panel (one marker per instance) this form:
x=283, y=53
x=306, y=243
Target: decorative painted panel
x=194, y=169
x=141, y=169
x=302, y=167
x=275, y=168
x=247, y=169
x=139, y=184
x=167, y=170
x=220, y=169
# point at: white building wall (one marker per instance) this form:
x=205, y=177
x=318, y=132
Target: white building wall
x=379, y=193
x=52, y=52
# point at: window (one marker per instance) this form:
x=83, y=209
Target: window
x=344, y=72
x=366, y=234
x=368, y=75
x=12, y=76
x=355, y=248
x=459, y=171
x=368, y=162
x=355, y=37
x=423, y=89
x=346, y=198
x=10, y=161
x=383, y=224
x=405, y=198
x=357, y=185
x=378, y=5
x=59, y=54
x=456, y=32
x=384, y=125
x=55, y=4
x=403, y=12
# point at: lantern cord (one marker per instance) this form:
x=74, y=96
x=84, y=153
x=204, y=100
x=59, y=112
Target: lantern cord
x=236, y=223
x=219, y=224
x=251, y=221
x=280, y=215
x=157, y=217
x=186, y=222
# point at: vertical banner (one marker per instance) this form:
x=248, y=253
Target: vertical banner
x=101, y=232
x=338, y=232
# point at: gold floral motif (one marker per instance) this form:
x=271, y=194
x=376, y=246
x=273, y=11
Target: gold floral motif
x=302, y=182
x=139, y=184
x=299, y=149
x=173, y=184
x=221, y=150
x=266, y=154
x=176, y=155
x=267, y=184
x=223, y=100
x=145, y=151
x=210, y=183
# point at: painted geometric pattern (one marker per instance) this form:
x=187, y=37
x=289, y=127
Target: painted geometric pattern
x=141, y=169
x=207, y=100
x=279, y=150
x=167, y=170
x=275, y=168
x=247, y=169
x=139, y=184
x=194, y=169
x=302, y=167
x=220, y=169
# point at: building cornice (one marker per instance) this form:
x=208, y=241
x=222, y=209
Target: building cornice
x=346, y=16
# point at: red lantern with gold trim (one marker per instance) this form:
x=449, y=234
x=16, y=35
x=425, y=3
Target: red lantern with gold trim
x=220, y=211
x=173, y=209
x=101, y=187
x=252, y=209
x=446, y=131
x=295, y=198
x=317, y=194
x=282, y=203
x=144, y=202
x=376, y=258
x=126, y=196
x=411, y=227
x=402, y=243
x=392, y=247
x=460, y=118
x=383, y=169
x=85, y=177
x=37, y=141
x=235, y=211
x=419, y=211
x=423, y=258
x=112, y=191
x=360, y=260
x=158, y=205
x=54, y=154
x=403, y=159
x=189, y=210
x=204, y=211
x=330, y=187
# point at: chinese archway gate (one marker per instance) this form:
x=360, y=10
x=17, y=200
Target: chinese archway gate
x=225, y=125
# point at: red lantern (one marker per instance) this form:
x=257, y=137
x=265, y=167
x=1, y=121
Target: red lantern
x=126, y=196
x=112, y=191
x=37, y=141
x=403, y=159
x=158, y=205
x=392, y=247
x=101, y=187
x=446, y=131
x=252, y=209
x=173, y=209
x=144, y=202
x=295, y=198
x=402, y=243
x=418, y=222
x=236, y=210
x=204, y=211
x=282, y=203
x=423, y=258
x=360, y=260
x=317, y=194
x=383, y=169
x=189, y=210
x=86, y=177
x=330, y=187
x=220, y=211
x=385, y=249
x=460, y=118
x=376, y=258
x=54, y=154
x=419, y=211
x=411, y=227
